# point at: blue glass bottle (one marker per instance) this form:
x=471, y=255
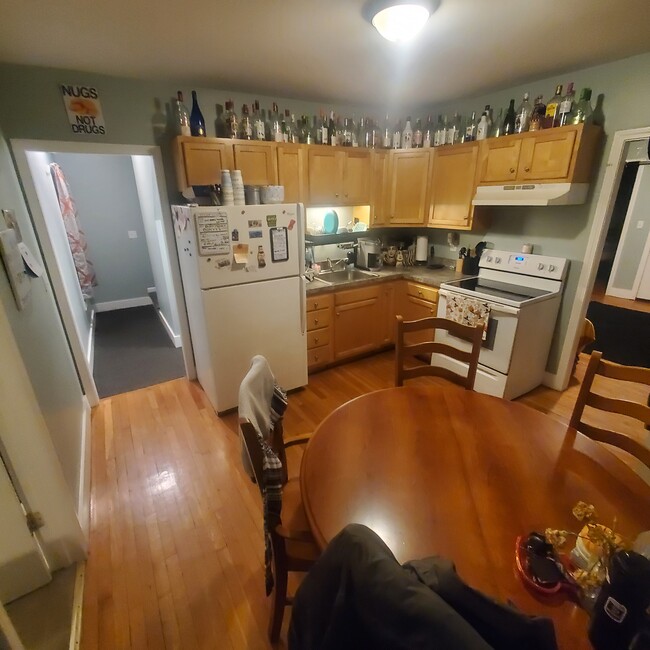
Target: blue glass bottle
x=197, y=123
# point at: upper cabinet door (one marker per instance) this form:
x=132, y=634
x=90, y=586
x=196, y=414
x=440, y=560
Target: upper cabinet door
x=501, y=159
x=548, y=155
x=379, y=184
x=356, y=177
x=199, y=161
x=257, y=163
x=291, y=172
x=453, y=185
x=409, y=176
x=325, y=175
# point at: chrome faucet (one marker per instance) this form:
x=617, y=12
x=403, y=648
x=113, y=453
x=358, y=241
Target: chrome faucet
x=333, y=263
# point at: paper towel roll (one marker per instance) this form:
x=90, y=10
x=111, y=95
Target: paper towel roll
x=421, y=249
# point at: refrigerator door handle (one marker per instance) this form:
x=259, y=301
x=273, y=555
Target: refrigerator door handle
x=303, y=305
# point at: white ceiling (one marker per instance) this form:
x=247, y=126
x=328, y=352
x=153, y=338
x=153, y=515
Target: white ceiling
x=323, y=49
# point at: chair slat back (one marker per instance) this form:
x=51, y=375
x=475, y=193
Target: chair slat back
x=587, y=397
x=405, y=350
x=253, y=449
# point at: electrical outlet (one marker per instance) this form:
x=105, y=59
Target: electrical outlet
x=133, y=234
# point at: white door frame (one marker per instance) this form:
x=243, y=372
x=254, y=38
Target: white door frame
x=593, y=253
x=20, y=149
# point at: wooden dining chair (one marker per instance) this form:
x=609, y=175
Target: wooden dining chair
x=636, y=410
x=292, y=544
x=404, y=351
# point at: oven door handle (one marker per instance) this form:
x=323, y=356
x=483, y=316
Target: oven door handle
x=494, y=307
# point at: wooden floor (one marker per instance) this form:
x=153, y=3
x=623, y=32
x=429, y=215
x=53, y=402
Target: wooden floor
x=598, y=295
x=176, y=548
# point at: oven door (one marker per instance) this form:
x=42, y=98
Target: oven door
x=496, y=350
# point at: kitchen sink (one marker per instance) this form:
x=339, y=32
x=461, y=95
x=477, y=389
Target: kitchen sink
x=345, y=275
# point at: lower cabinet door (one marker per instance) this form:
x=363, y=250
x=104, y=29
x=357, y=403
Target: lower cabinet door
x=415, y=309
x=357, y=327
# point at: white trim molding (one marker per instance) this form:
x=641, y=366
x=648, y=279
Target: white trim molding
x=112, y=305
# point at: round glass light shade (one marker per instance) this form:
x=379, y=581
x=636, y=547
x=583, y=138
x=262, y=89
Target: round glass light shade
x=401, y=22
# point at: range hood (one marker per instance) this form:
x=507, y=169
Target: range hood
x=532, y=194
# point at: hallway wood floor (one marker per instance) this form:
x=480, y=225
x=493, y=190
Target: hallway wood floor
x=176, y=548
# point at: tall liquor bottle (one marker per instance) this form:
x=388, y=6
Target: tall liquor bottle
x=566, y=105
x=582, y=111
x=470, y=129
x=259, y=129
x=232, y=123
x=509, y=121
x=417, y=134
x=482, y=128
x=331, y=131
x=428, y=135
x=277, y=134
x=387, y=135
x=182, y=115
x=537, y=117
x=397, y=135
x=522, y=118
x=197, y=123
x=552, y=116
x=245, y=125
x=407, y=134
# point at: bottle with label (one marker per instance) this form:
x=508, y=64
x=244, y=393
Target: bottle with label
x=407, y=134
x=509, y=121
x=428, y=135
x=354, y=131
x=331, y=130
x=245, y=125
x=453, y=130
x=346, y=139
x=552, y=115
x=537, y=117
x=488, y=115
x=197, y=123
x=522, y=117
x=181, y=115
x=277, y=134
x=440, y=134
x=470, y=129
x=387, y=135
x=566, y=105
x=582, y=111
x=259, y=130
x=232, y=123
x=397, y=135
x=418, y=134
x=482, y=128
x=321, y=130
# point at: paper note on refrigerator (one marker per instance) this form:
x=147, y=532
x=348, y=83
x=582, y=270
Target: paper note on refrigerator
x=213, y=234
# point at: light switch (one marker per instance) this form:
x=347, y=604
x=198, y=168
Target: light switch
x=640, y=224
x=133, y=234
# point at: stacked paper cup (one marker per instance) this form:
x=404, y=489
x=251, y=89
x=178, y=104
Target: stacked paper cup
x=227, y=194
x=238, y=187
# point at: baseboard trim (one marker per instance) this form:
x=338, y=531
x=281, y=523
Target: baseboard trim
x=83, y=497
x=552, y=380
x=112, y=305
x=175, y=338
x=77, y=607
x=621, y=293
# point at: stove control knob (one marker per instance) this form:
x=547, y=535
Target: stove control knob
x=540, y=266
x=551, y=268
x=497, y=260
x=489, y=258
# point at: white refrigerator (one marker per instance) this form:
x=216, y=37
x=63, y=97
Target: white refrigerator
x=242, y=270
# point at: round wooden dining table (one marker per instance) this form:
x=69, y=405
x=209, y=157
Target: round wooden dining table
x=447, y=471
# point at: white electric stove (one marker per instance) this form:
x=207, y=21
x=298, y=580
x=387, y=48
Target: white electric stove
x=523, y=293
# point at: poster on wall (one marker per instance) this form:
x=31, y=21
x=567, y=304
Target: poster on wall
x=84, y=110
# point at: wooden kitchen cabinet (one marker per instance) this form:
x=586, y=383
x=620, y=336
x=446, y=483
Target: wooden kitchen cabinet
x=319, y=330
x=408, y=180
x=563, y=155
x=418, y=301
x=388, y=311
x=453, y=185
x=379, y=181
x=199, y=161
x=338, y=176
x=357, y=321
x=257, y=162
x=291, y=172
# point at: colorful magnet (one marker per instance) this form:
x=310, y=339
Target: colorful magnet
x=261, y=261
x=255, y=234
x=271, y=220
x=235, y=235
x=240, y=253
x=292, y=223
x=254, y=223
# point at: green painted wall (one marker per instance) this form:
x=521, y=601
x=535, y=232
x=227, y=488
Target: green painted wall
x=136, y=112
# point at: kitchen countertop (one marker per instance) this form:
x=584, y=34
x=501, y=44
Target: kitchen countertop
x=431, y=277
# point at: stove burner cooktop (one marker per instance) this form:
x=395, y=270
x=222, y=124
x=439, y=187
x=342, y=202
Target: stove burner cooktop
x=486, y=289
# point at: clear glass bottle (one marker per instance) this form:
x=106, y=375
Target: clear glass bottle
x=397, y=135
x=552, y=115
x=321, y=131
x=522, y=117
x=197, y=123
x=181, y=115
x=259, y=130
x=488, y=115
x=347, y=133
x=440, y=134
x=509, y=119
x=428, y=135
x=482, y=127
x=453, y=130
x=407, y=134
x=354, y=131
x=387, y=135
x=232, y=122
x=566, y=105
x=496, y=130
x=470, y=129
x=331, y=130
x=245, y=125
x=582, y=110
x=418, y=134
x=277, y=132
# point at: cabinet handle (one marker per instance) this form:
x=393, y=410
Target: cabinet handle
x=526, y=169
x=512, y=170
x=315, y=357
x=338, y=313
x=315, y=321
x=316, y=340
x=315, y=305
x=346, y=196
x=336, y=195
x=419, y=293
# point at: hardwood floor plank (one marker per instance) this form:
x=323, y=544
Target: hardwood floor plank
x=176, y=544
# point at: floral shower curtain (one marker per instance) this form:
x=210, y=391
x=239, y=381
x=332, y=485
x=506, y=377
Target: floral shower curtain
x=76, y=237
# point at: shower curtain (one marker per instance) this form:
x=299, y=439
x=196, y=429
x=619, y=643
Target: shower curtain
x=76, y=237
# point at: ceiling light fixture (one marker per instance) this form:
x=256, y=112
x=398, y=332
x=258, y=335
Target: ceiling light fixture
x=399, y=21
